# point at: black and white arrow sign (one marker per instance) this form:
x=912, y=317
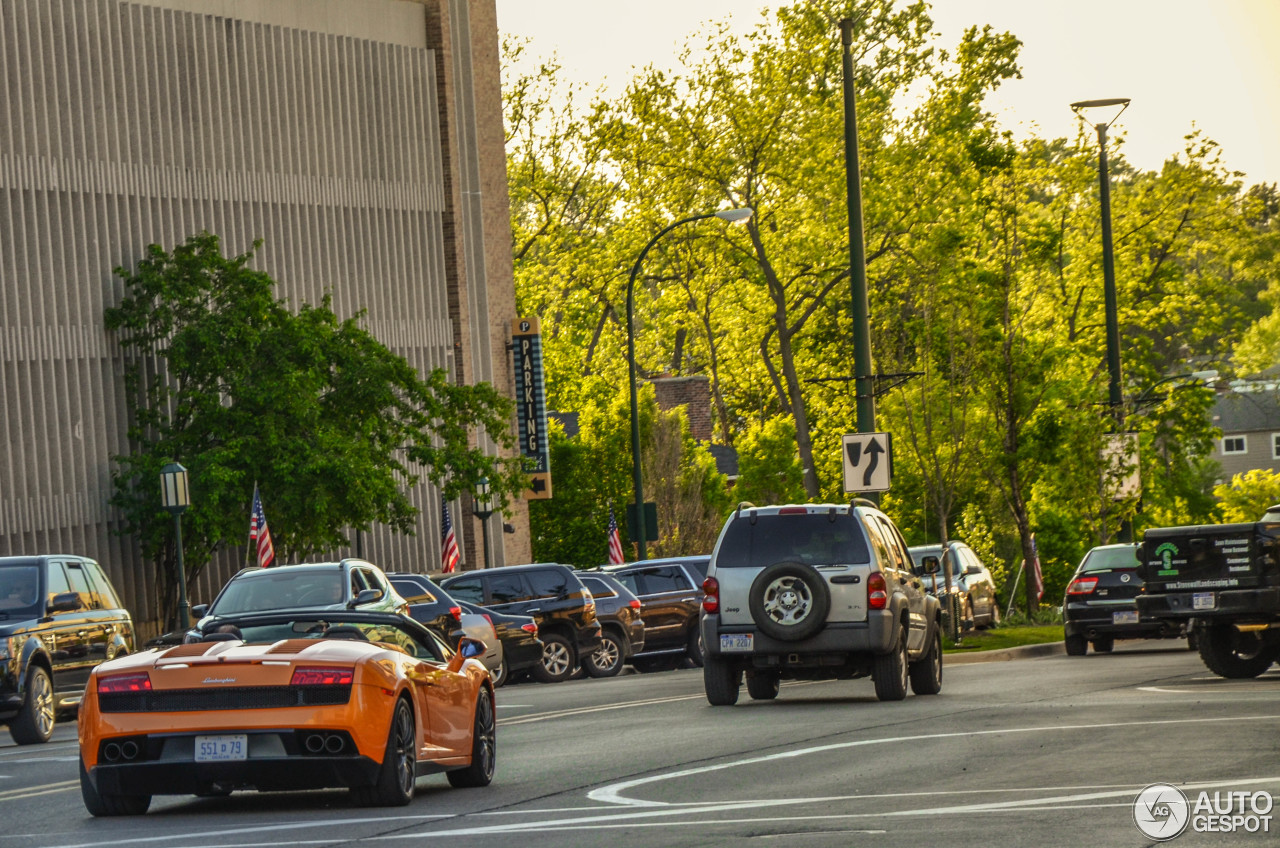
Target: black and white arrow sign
x=868, y=462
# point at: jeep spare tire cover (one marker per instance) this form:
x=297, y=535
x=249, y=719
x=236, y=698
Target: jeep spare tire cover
x=789, y=601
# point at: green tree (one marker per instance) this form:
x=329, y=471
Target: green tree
x=1248, y=495
x=331, y=425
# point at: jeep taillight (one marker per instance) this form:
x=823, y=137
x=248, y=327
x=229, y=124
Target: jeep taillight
x=137, y=682
x=1082, y=586
x=877, y=591
x=711, y=595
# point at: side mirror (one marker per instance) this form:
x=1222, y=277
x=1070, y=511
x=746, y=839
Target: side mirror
x=931, y=564
x=366, y=596
x=200, y=611
x=64, y=602
x=972, y=569
x=470, y=648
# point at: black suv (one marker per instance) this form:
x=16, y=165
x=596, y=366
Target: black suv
x=670, y=590
x=553, y=595
x=816, y=592
x=623, y=631
x=59, y=617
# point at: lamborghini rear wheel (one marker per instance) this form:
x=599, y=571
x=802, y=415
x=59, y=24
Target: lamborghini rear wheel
x=102, y=804
x=398, y=775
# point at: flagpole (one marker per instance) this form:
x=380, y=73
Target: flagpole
x=250, y=549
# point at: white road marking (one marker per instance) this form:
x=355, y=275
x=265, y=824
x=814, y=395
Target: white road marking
x=24, y=792
x=201, y=837
x=612, y=794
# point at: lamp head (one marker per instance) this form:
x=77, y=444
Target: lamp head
x=736, y=216
x=1080, y=105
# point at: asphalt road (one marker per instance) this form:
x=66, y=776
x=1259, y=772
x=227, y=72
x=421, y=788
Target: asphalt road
x=1046, y=751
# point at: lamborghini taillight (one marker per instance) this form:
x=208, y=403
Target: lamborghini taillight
x=322, y=677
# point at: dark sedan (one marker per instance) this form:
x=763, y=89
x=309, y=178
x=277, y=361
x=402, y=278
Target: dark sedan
x=1101, y=603
x=521, y=647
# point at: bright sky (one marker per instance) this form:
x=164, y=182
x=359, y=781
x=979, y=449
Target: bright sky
x=1211, y=64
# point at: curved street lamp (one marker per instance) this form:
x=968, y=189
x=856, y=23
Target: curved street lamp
x=175, y=497
x=733, y=216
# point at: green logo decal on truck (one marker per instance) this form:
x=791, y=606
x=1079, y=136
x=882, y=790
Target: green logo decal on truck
x=1166, y=552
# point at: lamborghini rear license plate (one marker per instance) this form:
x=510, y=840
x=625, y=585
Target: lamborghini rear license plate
x=216, y=749
x=1124, y=617
x=737, y=642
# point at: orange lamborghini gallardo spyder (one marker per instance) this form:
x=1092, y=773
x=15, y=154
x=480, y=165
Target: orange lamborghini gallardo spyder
x=303, y=700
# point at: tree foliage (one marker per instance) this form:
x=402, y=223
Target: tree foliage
x=330, y=425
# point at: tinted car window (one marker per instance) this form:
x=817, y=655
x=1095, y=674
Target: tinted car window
x=467, y=589
x=279, y=590
x=631, y=580
x=80, y=584
x=547, y=583
x=598, y=588
x=20, y=590
x=781, y=538
x=698, y=568
x=507, y=588
x=103, y=585
x=1102, y=558
x=412, y=591
x=668, y=579
x=56, y=580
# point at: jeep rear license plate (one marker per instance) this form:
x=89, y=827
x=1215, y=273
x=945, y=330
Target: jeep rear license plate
x=216, y=749
x=1124, y=617
x=737, y=642
x=1203, y=600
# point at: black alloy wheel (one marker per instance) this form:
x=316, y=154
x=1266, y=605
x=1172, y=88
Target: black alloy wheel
x=1229, y=653
x=484, y=748
x=103, y=804
x=398, y=775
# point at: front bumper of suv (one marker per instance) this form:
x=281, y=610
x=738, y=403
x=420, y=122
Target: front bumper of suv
x=876, y=635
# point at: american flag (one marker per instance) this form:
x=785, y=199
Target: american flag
x=449, y=543
x=615, y=541
x=259, y=530
x=1036, y=578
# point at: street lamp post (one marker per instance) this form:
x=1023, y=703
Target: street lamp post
x=176, y=497
x=1115, y=392
x=482, y=508
x=733, y=216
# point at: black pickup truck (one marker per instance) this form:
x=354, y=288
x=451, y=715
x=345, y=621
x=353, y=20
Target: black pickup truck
x=1223, y=583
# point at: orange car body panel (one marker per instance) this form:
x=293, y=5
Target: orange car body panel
x=444, y=694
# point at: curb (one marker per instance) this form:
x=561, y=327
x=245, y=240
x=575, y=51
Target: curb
x=1022, y=652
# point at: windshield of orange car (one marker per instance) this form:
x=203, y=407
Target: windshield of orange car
x=385, y=634
x=273, y=590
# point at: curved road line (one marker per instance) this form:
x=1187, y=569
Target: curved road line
x=612, y=794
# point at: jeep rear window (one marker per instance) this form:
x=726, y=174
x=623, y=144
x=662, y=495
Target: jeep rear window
x=811, y=539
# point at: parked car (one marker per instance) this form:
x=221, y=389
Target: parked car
x=553, y=595
x=521, y=647
x=622, y=628
x=59, y=618
x=432, y=607
x=301, y=705
x=670, y=591
x=351, y=584
x=1101, y=603
x=816, y=592
x=970, y=581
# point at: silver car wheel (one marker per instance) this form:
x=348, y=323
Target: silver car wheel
x=555, y=658
x=42, y=697
x=787, y=600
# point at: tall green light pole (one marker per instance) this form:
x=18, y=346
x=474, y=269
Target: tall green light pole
x=733, y=216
